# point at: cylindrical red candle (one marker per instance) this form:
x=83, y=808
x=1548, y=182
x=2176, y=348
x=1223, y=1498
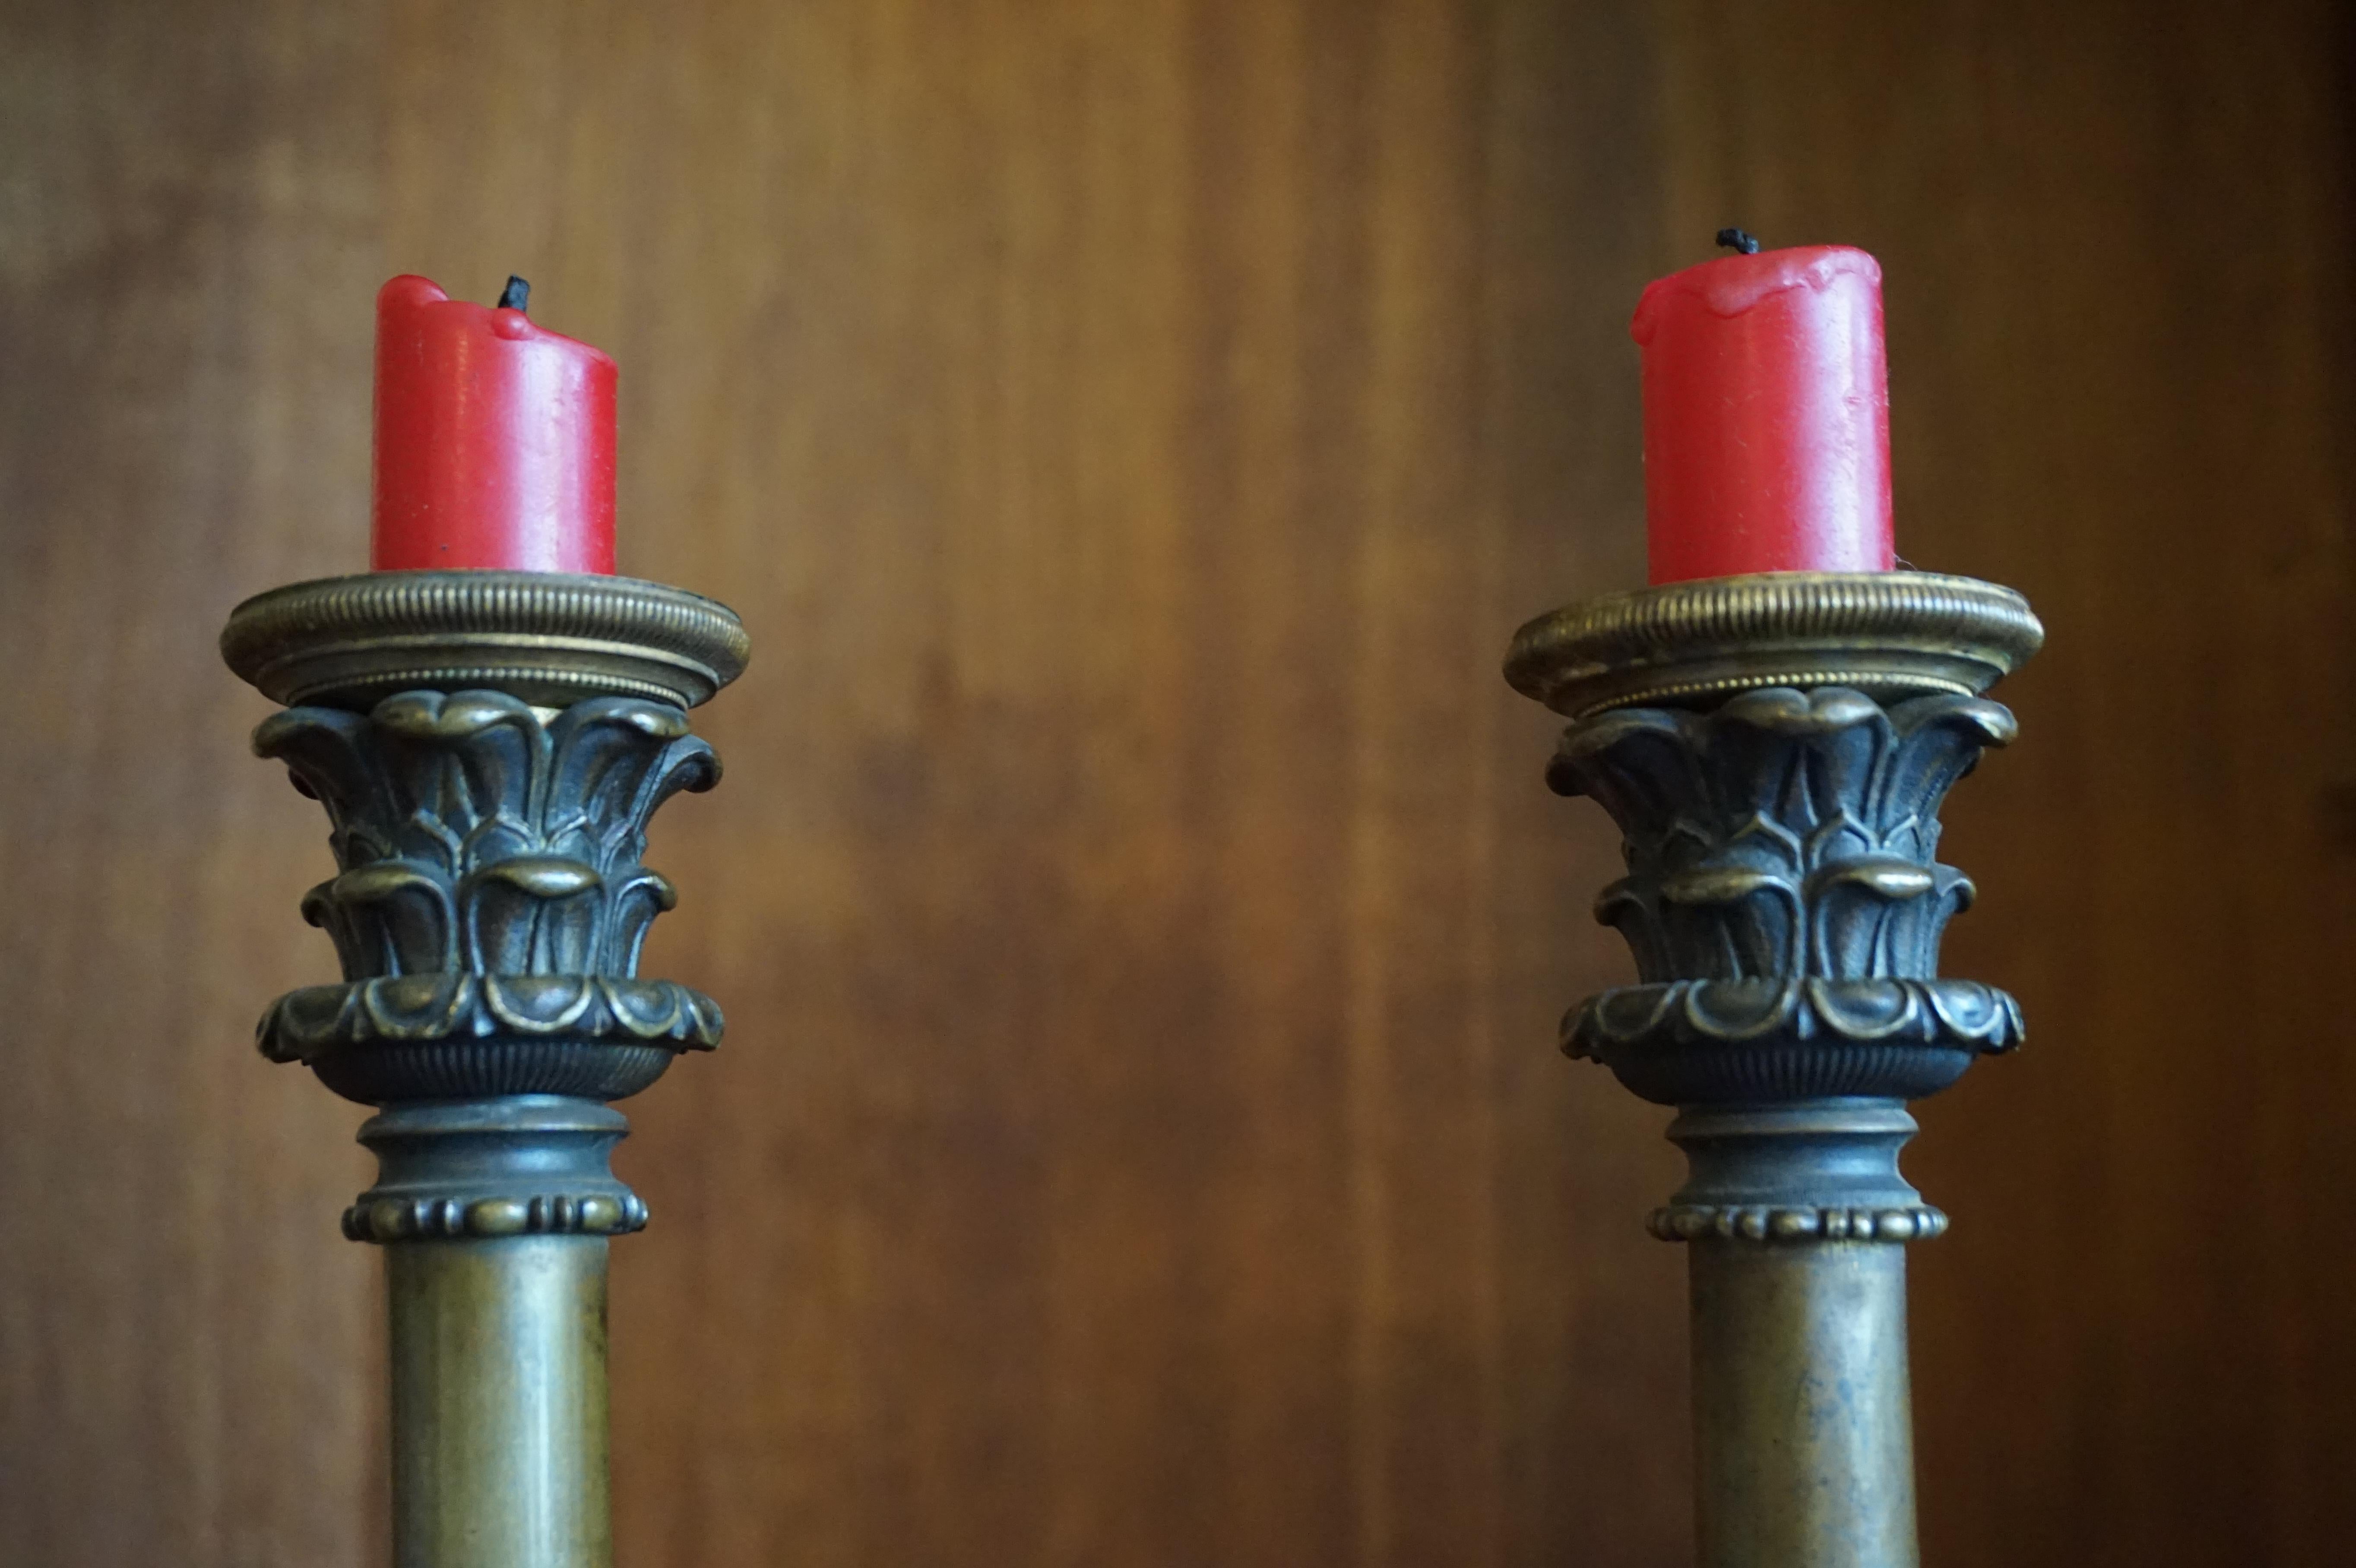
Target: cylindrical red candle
x=1766, y=416
x=494, y=439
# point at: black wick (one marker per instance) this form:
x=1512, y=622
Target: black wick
x=517, y=295
x=1733, y=240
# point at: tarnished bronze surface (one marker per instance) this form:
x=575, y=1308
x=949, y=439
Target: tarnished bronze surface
x=499, y=1427
x=1889, y=633
x=1783, y=898
x=544, y=637
x=1775, y=750
x=490, y=748
x=1804, y=1437
x=517, y=1164
x=493, y=898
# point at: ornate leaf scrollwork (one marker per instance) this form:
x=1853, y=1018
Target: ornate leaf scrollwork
x=1783, y=834
x=490, y=867
x=1783, y=898
x=473, y=837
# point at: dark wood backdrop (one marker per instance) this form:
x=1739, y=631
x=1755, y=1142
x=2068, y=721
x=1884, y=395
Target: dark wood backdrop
x=1131, y=430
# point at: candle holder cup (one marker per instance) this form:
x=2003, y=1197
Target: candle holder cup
x=1774, y=750
x=490, y=747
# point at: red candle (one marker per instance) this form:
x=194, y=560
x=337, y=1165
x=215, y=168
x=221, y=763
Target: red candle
x=494, y=437
x=1766, y=416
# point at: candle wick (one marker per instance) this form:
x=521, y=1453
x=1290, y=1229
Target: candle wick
x=517, y=295
x=1739, y=239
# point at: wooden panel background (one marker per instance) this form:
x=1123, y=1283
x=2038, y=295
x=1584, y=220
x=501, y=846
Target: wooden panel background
x=1131, y=430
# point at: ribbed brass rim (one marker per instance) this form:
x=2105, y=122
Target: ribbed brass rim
x=1889, y=632
x=547, y=637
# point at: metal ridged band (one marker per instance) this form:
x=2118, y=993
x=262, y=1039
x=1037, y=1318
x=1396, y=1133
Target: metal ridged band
x=1891, y=633
x=532, y=1165
x=1764, y=1223
x=549, y=639
x=541, y=1214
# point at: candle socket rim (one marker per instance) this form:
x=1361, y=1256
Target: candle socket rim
x=1894, y=634
x=548, y=638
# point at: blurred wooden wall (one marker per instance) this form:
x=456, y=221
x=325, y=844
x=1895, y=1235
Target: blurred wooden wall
x=1130, y=431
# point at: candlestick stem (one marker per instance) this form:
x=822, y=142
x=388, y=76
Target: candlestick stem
x=1774, y=750
x=490, y=747
x=498, y=1403
x=1804, y=1442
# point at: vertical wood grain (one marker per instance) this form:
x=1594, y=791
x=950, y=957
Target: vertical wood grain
x=187, y=1370
x=1130, y=431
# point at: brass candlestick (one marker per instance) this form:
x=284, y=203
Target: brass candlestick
x=490, y=746
x=1774, y=750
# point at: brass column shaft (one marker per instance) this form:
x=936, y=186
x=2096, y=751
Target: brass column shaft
x=1803, y=1428
x=498, y=1403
